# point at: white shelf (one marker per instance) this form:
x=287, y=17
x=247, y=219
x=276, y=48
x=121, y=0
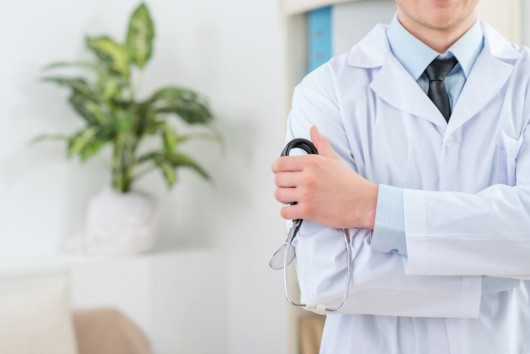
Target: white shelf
x=177, y=298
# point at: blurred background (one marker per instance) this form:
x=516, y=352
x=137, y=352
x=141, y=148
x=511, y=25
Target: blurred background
x=202, y=284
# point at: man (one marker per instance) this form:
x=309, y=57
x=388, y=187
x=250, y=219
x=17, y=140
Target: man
x=424, y=155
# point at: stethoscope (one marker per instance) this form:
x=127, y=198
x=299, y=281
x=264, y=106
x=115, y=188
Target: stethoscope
x=286, y=253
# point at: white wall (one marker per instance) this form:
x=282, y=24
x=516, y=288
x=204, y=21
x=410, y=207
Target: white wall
x=507, y=18
x=232, y=51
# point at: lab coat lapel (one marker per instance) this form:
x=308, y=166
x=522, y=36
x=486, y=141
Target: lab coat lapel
x=394, y=85
x=486, y=79
x=489, y=75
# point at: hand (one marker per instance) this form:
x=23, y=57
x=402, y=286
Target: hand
x=326, y=190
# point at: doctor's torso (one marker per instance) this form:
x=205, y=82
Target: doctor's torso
x=398, y=137
x=384, y=126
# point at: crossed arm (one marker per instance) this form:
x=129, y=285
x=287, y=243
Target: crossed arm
x=441, y=277
x=327, y=191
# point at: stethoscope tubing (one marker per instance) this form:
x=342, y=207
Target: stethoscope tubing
x=309, y=148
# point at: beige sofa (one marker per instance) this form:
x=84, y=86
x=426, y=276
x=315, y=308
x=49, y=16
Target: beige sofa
x=37, y=318
x=108, y=331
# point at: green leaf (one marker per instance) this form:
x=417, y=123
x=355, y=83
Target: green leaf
x=107, y=86
x=173, y=159
x=149, y=156
x=140, y=36
x=88, y=109
x=192, y=113
x=80, y=140
x=43, y=137
x=91, y=148
x=153, y=126
x=110, y=86
x=171, y=93
x=168, y=171
x=169, y=138
x=77, y=64
x=146, y=120
x=187, y=104
x=178, y=159
x=78, y=85
x=114, y=55
x=123, y=121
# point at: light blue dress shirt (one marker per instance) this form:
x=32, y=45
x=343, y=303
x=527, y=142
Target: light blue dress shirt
x=415, y=56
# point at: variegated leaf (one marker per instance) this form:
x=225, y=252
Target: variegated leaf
x=78, y=85
x=185, y=103
x=114, y=55
x=80, y=140
x=140, y=36
x=88, y=109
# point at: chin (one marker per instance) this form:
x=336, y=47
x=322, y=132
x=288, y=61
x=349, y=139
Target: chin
x=442, y=21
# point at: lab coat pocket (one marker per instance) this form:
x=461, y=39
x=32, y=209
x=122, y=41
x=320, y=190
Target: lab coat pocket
x=507, y=150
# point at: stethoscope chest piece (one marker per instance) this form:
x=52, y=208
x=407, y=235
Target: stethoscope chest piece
x=277, y=258
x=285, y=254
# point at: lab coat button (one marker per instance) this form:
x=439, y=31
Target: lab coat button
x=394, y=251
x=451, y=141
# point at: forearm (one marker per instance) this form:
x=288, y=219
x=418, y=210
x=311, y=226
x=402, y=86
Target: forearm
x=379, y=285
x=389, y=235
x=453, y=233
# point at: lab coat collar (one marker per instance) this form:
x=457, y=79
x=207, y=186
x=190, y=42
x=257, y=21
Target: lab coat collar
x=497, y=45
x=372, y=50
x=497, y=57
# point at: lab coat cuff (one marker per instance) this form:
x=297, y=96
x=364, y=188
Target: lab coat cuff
x=389, y=229
x=415, y=218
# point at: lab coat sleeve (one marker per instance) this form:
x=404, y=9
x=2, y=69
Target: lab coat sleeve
x=389, y=234
x=379, y=284
x=487, y=233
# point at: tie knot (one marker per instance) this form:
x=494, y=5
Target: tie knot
x=439, y=68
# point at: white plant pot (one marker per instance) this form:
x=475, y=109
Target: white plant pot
x=117, y=224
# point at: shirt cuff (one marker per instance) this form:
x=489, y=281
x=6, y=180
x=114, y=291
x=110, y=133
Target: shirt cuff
x=389, y=230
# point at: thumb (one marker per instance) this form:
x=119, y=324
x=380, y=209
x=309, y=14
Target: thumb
x=323, y=146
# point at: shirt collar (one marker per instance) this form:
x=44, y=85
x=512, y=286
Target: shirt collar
x=415, y=55
x=468, y=47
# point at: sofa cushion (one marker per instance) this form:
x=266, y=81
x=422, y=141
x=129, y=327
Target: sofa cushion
x=35, y=315
x=108, y=331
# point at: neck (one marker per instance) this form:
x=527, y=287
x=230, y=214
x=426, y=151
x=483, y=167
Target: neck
x=439, y=39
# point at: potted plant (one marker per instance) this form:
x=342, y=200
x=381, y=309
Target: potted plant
x=121, y=219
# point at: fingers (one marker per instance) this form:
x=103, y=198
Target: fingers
x=293, y=212
x=287, y=179
x=323, y=146
x=286, y=195
x=292, y=163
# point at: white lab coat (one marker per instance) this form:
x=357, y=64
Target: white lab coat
x=466, y=201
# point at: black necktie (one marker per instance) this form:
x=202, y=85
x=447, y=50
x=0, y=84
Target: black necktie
x=436, y=73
